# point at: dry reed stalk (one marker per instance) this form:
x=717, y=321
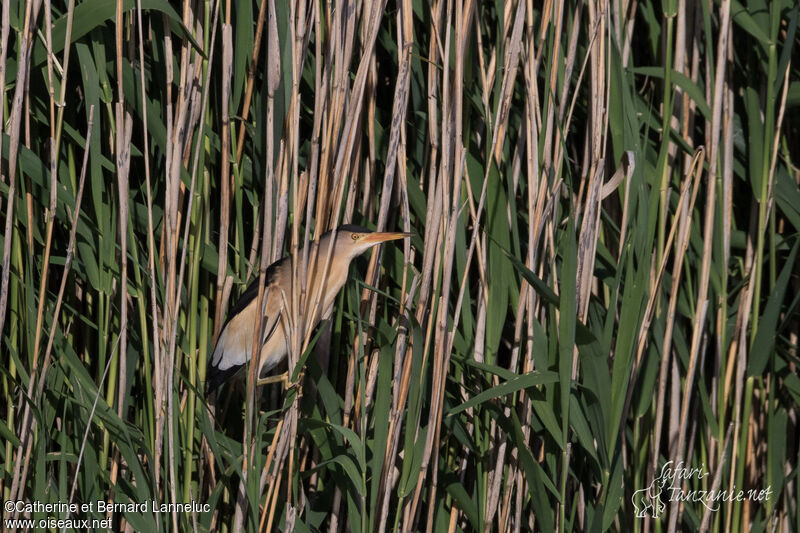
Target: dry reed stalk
x=528, y=297
x=173, y=158
x=708, y=231
x=587, y=239
x=737, y=350
x=444, y=346
x=430, y=261
x=266, y=474
x=330, y=203
x=225, y=177
x=720, y=408
x=60, y=297
x=89, y=425
x=175, y=277
x=5, y=25
x=124, y=123
x=717, y=479
x=251, y=75
x=13, y=131
x=148, y=193
x=67, y=261
x=655, y=285
x=4, y=30
x=411, y=515
x=50, y=212
x=527, y=132
x=478, y=354
x=159, y=333
x=287, y=431
x=300, y=304
x=684, y=221
x=393, y=156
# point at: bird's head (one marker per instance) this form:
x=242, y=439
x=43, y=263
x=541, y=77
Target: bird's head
x=352, y=240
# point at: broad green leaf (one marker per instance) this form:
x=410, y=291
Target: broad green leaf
x=764, y=340
x=94, y=13
x=524, y=381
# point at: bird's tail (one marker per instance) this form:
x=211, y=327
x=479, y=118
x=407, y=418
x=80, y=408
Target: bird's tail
x=216, y=377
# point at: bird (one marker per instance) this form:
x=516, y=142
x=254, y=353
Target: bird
x=235, y=342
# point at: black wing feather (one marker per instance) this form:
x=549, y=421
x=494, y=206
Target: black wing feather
x=216, y=377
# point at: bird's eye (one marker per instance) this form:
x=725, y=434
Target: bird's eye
x=355, y=236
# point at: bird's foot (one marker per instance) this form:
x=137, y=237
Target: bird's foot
x=297, y=382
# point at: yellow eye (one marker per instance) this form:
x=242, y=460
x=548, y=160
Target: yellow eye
x=355, y=236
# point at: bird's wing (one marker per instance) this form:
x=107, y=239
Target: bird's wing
x=235, y=342
x=232, y=352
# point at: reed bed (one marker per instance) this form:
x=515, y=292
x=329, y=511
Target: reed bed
x=603, y=280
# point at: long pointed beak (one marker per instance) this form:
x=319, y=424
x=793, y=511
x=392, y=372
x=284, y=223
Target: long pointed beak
x=380, y=236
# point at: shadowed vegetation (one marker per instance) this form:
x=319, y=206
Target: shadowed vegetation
x=603, y=275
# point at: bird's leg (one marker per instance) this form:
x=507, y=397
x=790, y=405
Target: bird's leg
x=280, y=378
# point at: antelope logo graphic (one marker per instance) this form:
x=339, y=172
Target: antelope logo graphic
x=648, y=500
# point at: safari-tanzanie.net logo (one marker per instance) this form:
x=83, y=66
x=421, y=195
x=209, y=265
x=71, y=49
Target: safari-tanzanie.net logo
x=672, y=485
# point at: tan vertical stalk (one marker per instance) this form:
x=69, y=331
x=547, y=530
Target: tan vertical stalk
x=13, y=131
x=251, y=75
x=273, y=79
x=708, y=231
x=225, y=176
x=124, y=124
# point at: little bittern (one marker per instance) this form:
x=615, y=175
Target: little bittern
x=235, y=342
